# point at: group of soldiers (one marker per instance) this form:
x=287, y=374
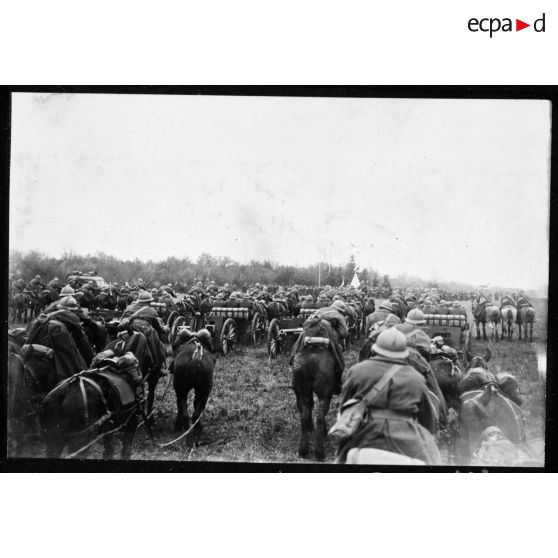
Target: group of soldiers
x=406, y=413
x=86, y=335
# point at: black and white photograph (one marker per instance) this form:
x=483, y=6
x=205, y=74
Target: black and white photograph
x=277, y=279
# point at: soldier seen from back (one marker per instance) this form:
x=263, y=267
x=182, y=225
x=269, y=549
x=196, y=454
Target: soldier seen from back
x=398, y=410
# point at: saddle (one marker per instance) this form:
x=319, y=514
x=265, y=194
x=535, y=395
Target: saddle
x=120, y=387
x=121, y=374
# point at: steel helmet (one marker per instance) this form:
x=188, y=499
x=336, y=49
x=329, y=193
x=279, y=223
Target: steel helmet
x=340, y=305
x=387, y=305
x=416, y=317
x=391, y=343
x=154, y=291
x=391, y=320
x=68, y=303
x=144, y=297
x=66, y=291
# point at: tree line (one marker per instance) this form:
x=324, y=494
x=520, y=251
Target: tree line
x=206, y=267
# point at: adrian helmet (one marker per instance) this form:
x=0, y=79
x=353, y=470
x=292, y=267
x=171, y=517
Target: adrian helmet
x=340, y=305
x=416, y=317
x=387, y=305
x=145, y=297
x=391, y=343
x=66, y=291
x=68, y=303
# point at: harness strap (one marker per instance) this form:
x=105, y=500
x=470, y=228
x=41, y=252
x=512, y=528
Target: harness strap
x=379, y=386
x=84, y=396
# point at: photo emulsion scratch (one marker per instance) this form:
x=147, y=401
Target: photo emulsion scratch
x=278, y=279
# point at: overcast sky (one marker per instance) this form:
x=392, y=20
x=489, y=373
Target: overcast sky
x=456, y=189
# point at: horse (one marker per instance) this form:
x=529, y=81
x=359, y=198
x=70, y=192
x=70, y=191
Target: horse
x=448, y=375
x=485, y=407
x=485, y=313
x=136, y=343
x=90, y=402
x=22, y=307
x=193, y=366
x=509, y=317
x=31, y=374
x=526, y=318
x=313, y=373
x=477, y=361
x=44, y=298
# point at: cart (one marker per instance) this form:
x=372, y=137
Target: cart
x=283, y=332
x=229, y=326
x=454, y=330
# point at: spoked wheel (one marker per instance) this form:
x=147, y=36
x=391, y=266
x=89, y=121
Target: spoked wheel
x=179, y=322
x=258, y=328
x=228, y=336
x=274, y=339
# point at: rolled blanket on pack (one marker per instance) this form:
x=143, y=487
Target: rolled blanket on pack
x=316, y=342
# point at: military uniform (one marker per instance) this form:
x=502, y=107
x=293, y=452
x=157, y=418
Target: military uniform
x=379, y=315
x=395, y=422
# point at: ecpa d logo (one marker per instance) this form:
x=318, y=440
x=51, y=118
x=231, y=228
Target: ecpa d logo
x=493, y=25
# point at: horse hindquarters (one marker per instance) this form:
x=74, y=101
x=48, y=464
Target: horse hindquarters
x=192, y=374
x=314, y=372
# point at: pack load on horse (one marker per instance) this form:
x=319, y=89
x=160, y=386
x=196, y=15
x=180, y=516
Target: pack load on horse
x=325, y=328
x=93, y=402
x=385, y=406
x=139, y=316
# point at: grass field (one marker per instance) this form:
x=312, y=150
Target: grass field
x=251, y=414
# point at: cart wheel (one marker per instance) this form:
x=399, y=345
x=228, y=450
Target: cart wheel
x=228, y=336
x=178, y=322
x=274, y=339
x=258, y=328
